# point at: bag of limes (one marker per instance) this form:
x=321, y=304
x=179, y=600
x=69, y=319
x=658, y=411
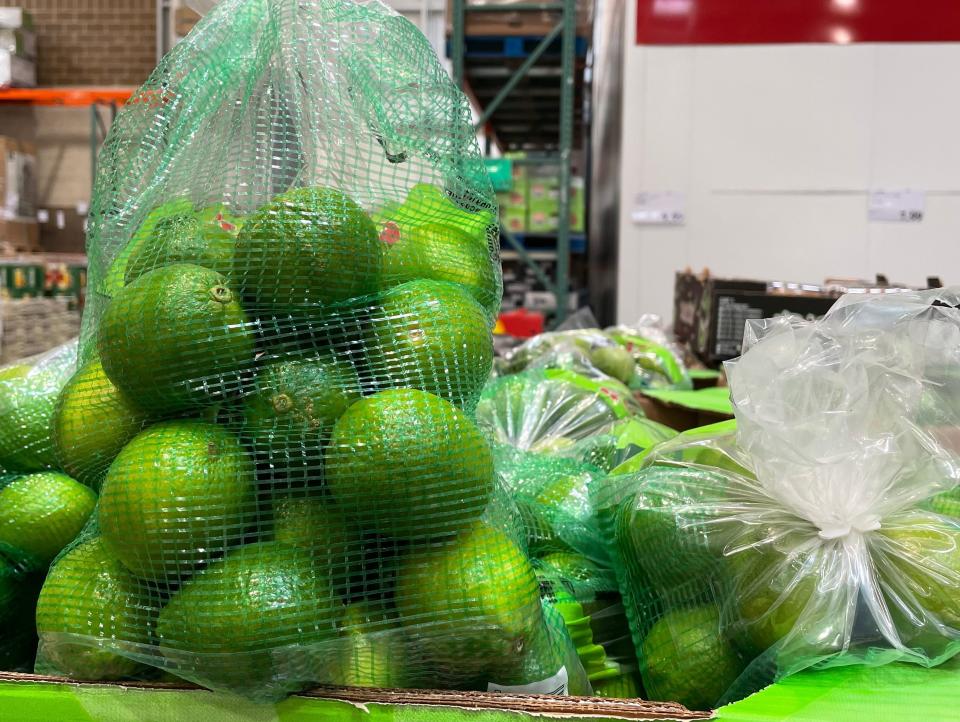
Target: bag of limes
x=294, y=272
x=807, y=534
x=28, y=398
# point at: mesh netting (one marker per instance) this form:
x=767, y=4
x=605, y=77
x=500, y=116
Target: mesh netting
x=293, y=269
x=805, y=536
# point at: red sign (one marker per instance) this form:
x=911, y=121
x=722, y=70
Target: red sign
x=749, y=22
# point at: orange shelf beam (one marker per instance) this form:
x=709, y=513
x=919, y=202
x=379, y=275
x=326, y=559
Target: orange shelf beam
x=66, y=96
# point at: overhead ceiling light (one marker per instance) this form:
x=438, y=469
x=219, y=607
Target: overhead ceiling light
x=672, y=7
x=841, y=35
x=846, y=5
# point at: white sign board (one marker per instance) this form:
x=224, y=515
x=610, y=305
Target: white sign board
x=901, y=206
x=661, y=208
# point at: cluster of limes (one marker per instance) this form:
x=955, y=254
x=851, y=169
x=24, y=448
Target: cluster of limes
x=276, y=414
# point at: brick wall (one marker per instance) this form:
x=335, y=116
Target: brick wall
x=93, y=42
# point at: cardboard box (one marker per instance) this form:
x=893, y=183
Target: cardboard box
x=41, y=697
x=683, y=415
x=513, y=210
x=710, y=314
x=17, y=71
x=19, y=236
x=18, y=179
x=62, y=229
x=15, y=17
x=518, y=22
x=21, y=279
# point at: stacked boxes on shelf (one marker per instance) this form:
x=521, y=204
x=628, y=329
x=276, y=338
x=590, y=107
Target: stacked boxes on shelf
x=18, y=49
x=19, y=232
x=41, y=298
x=532, y=205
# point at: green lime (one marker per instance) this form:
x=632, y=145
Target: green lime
x=441, y=253
x=27, y=402
x=371, y=652
x=290, y=416
x=471, y=605
x=91, y=597
x=40, y=514
x=262, y=614
x=408, y=464
x=198, y=238
x=315, y=526
x=176, y=339
x=115, y=278
x=93, y=421
x=614, y=361
x=431, y=336
x=926, y=554
x=307, y=246
x=178, y=494
x=686, y=659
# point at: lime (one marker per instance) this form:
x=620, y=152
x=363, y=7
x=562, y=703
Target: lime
x=926, y=556
x=307, y=246
x=27, y=402
x=471, y=605
x=40, y=514
x=93, y=421
x=774, y=587
x=686, y=659
x=261, y=614
x=190, y=237
x=115, y=278
x=372, y=651
x=89, y=607
x=614, y=361
x=408, y=464
x=291, y=414
x=178, y=494
x=441, y=253
x=176, y=339
x=431, y=336
x=316, y=527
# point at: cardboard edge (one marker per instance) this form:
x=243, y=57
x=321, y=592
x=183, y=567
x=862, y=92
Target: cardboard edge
x=537, y=705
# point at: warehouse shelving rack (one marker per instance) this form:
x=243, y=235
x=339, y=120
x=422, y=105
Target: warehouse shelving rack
x=520, y=111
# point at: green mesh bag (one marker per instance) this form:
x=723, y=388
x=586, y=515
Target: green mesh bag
x=28, y=398
x=808, y=533
x=293, y=273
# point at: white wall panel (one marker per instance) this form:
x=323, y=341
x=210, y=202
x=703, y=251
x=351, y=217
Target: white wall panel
x=776, y=148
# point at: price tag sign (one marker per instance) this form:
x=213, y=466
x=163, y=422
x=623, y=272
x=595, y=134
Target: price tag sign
x=903, y=206
x=662, y=208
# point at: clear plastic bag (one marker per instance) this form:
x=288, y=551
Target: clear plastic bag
x=550, y=410
x=658, y=358
x=293, y=264
x=804, y=537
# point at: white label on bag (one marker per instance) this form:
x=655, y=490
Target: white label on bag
x=557, y=684
x=903, y=206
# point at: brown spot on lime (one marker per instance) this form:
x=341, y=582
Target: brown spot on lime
x=221, y=294
x=281, y=403
x=213, y=451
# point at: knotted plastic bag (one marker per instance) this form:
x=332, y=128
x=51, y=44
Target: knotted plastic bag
x=293, y=264
x=804, y=538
